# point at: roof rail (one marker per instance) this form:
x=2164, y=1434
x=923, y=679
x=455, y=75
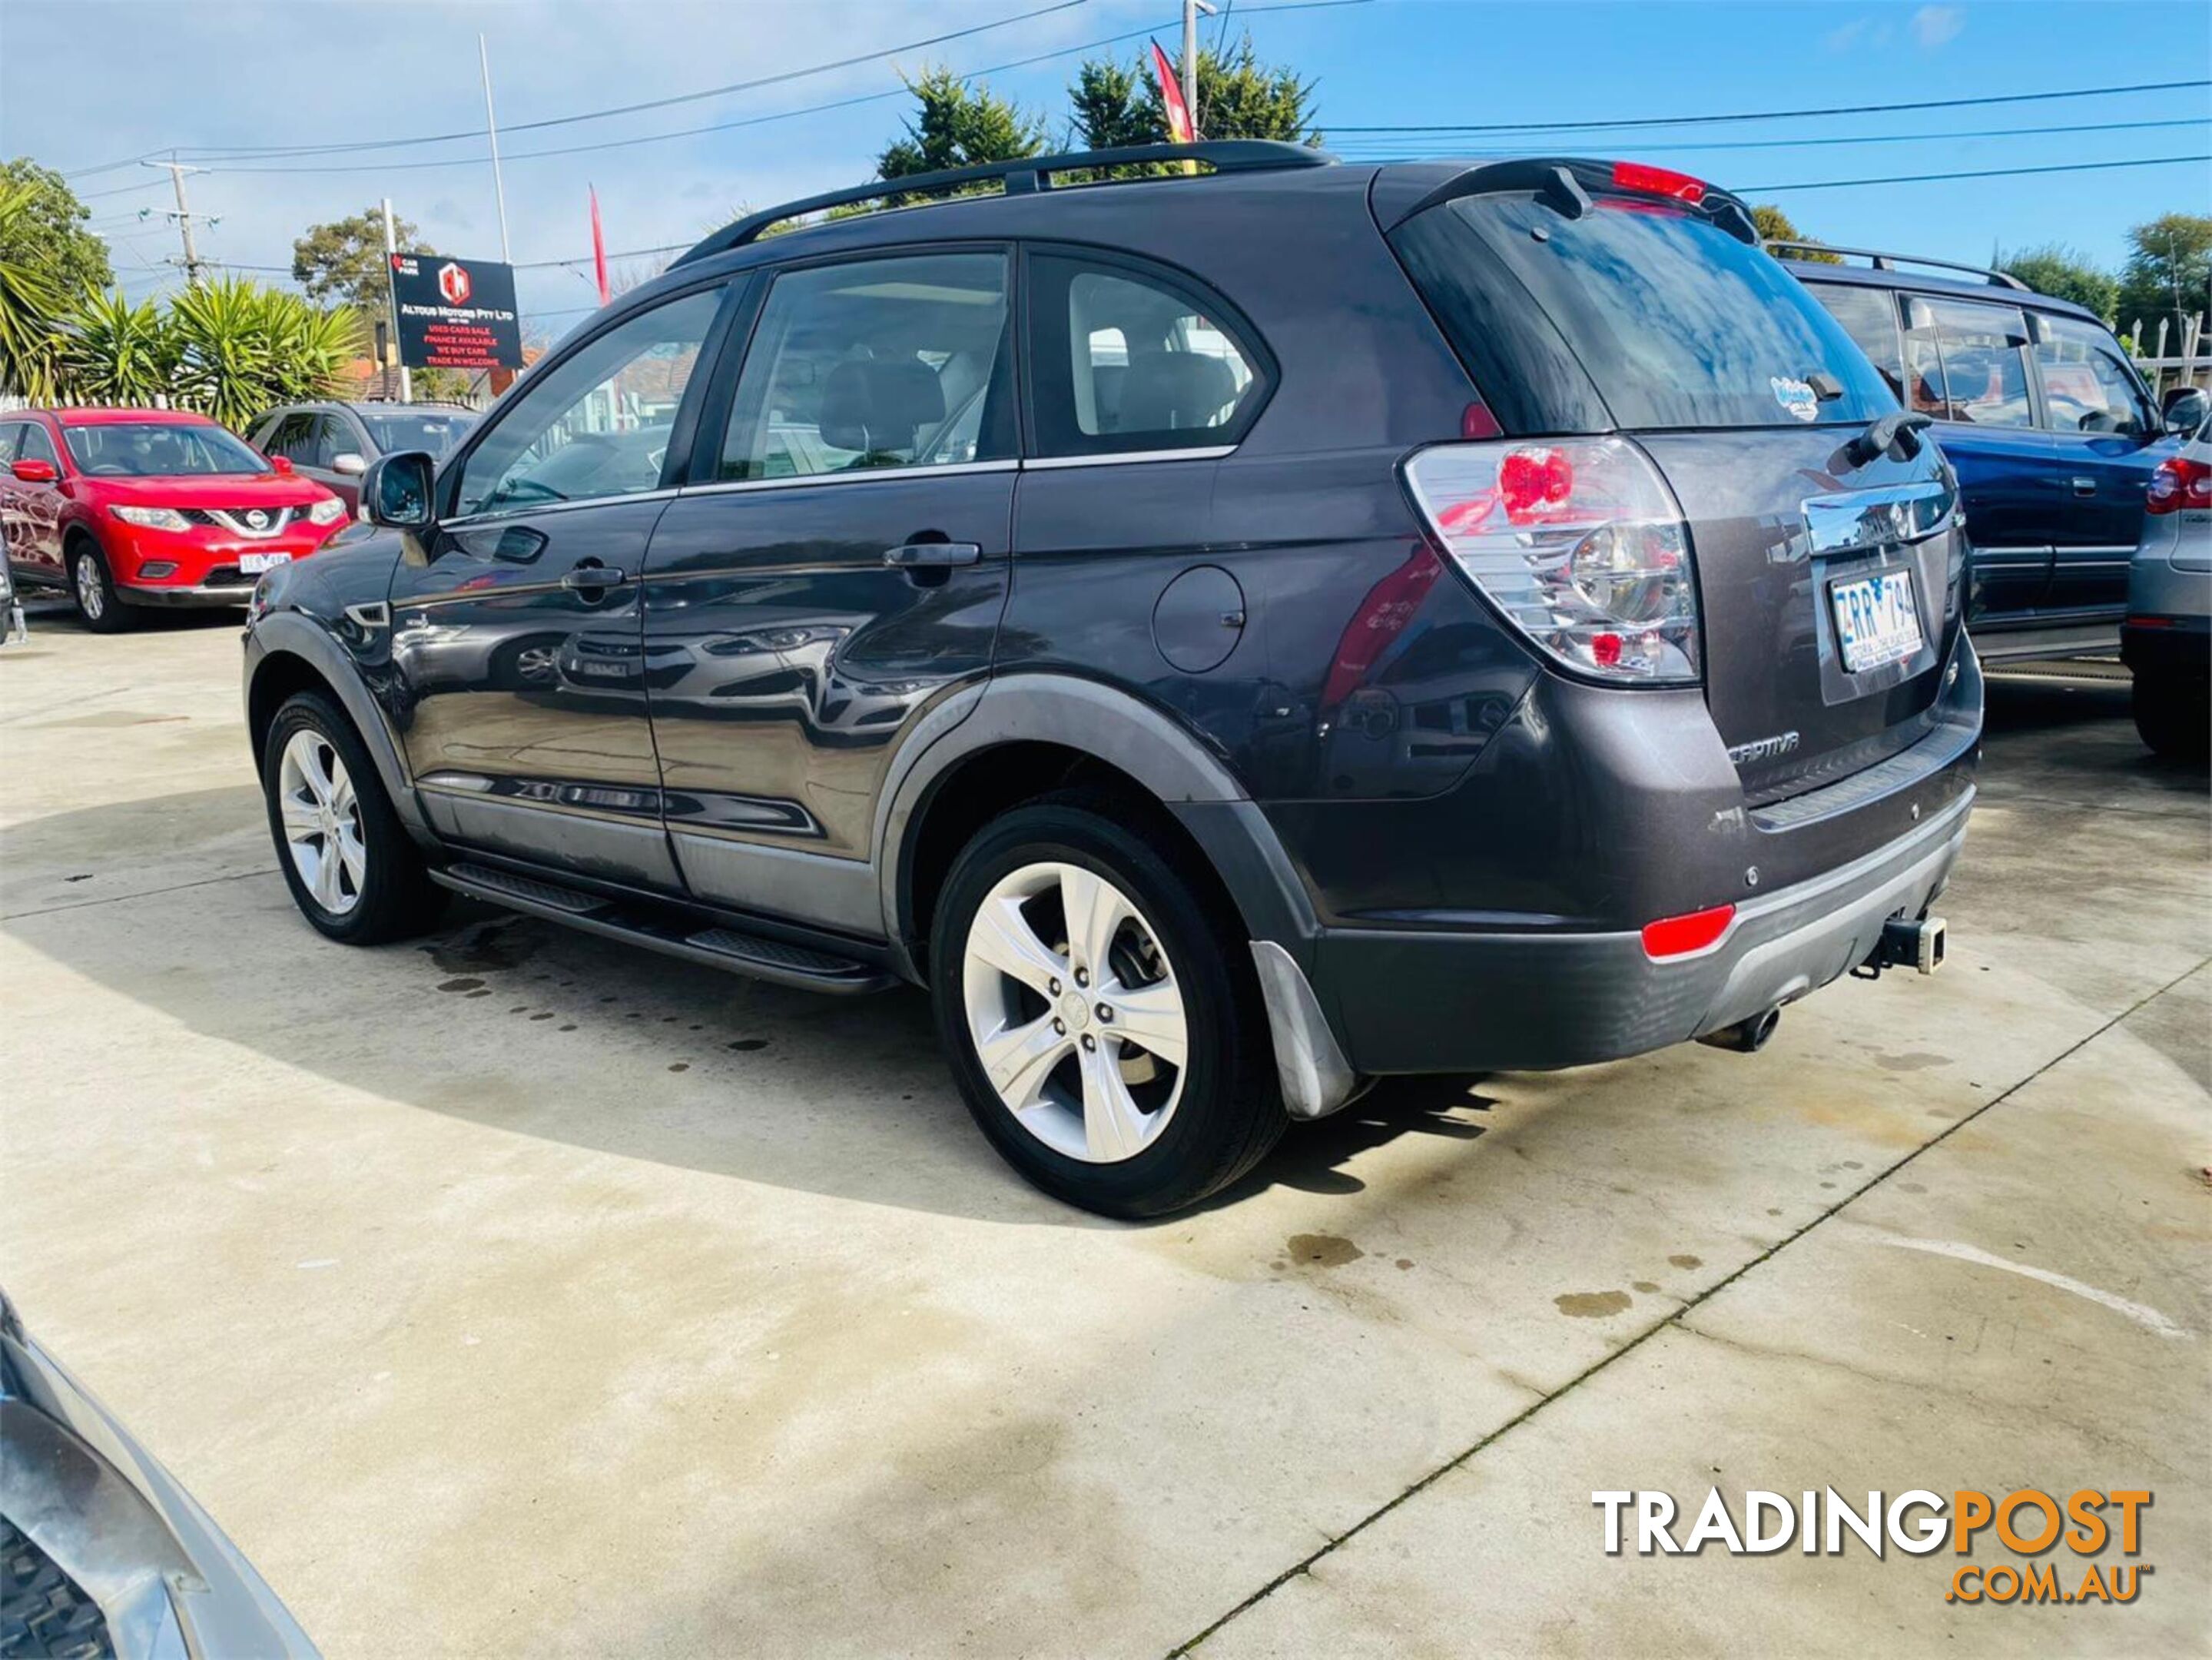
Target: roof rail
x=1890, y=261
x=1021, y=178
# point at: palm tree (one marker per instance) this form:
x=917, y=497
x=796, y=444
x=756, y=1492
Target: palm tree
x=117, y=352
x=29, y=304
x=224, y=357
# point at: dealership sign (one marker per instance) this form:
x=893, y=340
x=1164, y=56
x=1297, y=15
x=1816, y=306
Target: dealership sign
x=455, y=313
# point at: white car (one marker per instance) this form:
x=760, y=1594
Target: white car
x=2167, y=640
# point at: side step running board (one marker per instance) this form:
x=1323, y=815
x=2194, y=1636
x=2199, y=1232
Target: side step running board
x=717, y=948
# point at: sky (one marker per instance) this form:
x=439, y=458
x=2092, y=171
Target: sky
x=217, y=78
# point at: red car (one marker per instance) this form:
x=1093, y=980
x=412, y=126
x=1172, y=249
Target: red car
x=126, y=508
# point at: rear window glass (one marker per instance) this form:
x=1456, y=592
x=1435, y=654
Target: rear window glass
x=1674, y=321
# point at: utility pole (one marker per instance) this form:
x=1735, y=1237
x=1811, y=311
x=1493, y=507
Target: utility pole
x=1190, y=11
x=391, y=287
x=491, y=127
x=183, y=215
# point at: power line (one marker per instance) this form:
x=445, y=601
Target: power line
x=1371, y=153
x=1786, y=114
x=1979, y=173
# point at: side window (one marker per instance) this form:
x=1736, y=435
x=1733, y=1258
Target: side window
x=34, y=443
x=1869, y=317
x=1124, y=361
x=11, y=440
x=1968, y=361
x=892, y=363
x=598, y=423
x=2087, y=386
x=290, y=438
x=339, y=438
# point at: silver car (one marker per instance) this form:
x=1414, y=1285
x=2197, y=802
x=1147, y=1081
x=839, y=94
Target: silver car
x=334, y=443
x=2167, y=640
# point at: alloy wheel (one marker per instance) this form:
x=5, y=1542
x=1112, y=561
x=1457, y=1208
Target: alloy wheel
x=321, y=817
x=91, y=591
x=1074, y=1012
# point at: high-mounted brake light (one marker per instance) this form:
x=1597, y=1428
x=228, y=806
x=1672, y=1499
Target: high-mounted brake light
x=1685, y=936
x=2179, y=483
x=1658, y=181
x=1579, y=544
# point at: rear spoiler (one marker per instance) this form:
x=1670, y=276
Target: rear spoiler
x=1565, y=185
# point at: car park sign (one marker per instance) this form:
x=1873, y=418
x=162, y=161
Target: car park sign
x=455, y=313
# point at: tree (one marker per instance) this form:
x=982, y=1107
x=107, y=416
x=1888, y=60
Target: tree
x=2166, y=277
x=49, y=230
x=343, y=260
x=1238, y=97
x=2055, y=269
x=118, y=352
x=30, y=299
x=236, y=348
x=1776, y=226
x=958, y=126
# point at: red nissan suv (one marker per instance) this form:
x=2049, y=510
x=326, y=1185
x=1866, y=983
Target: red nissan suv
x=127, y=508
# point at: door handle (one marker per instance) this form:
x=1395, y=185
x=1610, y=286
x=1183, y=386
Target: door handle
x=929, y=555
x=589, y=576
x=2085, y=487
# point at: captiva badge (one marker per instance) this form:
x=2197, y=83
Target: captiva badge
x=1795, y=396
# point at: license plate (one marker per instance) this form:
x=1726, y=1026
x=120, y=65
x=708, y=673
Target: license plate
x=1876, y=620
x=252, y=565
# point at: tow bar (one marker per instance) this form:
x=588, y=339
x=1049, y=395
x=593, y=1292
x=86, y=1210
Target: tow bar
x=1906, y=943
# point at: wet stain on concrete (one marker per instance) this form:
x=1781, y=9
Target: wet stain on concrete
x=1912, y=1187
x=1647, y=1286
x=1914, y=1061
x=1322, y=1251
x=1591, y=1305
x=543, y=1015
x=499, y=943
x=747, y=1045
x=1405, y=1262
x=1686, y=1261
x=679, y=1066
x=462, y=984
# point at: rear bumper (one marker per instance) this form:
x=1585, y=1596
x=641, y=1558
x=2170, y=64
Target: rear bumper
x=1523, y=1001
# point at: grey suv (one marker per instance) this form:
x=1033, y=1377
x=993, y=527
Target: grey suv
x=1228, y=636
x=334, y=443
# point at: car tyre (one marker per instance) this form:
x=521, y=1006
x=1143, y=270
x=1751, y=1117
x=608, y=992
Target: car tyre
x=1086, y=1112
x=100, y=606
x=2174, y=715
x=356, y=874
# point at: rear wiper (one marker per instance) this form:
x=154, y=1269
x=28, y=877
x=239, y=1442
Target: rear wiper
x=1896, y=434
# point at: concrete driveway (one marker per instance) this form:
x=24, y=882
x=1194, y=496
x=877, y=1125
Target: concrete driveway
x=519, y=1293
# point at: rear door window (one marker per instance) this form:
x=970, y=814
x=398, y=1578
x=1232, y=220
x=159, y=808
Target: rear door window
x=2087, y=385
x=1128, y=360
x=1675, y=322
x=1968, y=361
x=1869, y=317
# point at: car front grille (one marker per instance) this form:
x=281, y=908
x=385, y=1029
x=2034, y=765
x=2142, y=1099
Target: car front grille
x=239, y=520
x=42, y=1610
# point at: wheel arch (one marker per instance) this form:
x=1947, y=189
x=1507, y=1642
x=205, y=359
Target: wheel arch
x=286, y=654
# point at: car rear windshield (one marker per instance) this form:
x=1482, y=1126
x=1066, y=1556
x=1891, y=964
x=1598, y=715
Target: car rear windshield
x=1669, y=320
x=158, y=449
x=435, y=432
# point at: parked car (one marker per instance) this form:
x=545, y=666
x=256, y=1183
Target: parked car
x=334, y=443
x=128, y=509
x=101, y=1552
x=2166, y=640
x=1342, y=621
x=2053, y=432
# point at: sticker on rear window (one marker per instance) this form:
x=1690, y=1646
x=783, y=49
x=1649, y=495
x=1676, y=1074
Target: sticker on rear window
x=1795, y=396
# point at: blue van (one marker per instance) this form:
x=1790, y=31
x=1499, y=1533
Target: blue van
x=2053, y=432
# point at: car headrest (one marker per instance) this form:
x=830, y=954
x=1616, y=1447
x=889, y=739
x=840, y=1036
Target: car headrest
x=879, y=405
x=1169, y=391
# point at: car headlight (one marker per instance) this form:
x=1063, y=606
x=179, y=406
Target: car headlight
x=328, y=511
x=153, y=518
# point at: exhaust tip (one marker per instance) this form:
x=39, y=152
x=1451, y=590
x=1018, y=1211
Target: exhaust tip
x=1746, y=1036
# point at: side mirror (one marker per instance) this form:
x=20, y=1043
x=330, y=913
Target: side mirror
x=349, y=464
x=2184, y=408
x=31, y=471
x=281, y=463
x=395, y=490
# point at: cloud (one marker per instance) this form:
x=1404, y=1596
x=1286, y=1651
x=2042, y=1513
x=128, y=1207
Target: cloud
x=1846, y=36
x=1934, y=25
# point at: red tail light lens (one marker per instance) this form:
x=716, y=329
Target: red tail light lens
x=1658, y=181
x=1579, y=544
x=1685, y=936
x=2179, y=483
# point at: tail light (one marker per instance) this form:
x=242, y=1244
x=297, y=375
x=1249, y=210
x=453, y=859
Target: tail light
x=1658, y=181
x=1685, y=936
x=1580, y=545
x=2179, y=483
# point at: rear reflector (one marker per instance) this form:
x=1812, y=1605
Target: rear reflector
x=1658, y=181
x=1684, y=936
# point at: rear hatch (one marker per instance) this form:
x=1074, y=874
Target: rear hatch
x=1590, y=298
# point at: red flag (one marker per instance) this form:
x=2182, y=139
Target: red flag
x=1181, y=128
x=598, y=249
